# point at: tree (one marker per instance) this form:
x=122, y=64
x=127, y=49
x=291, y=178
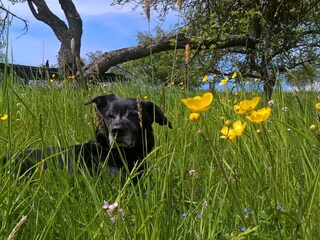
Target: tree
x=69, y=34
x=261, y=36
x=258, y=37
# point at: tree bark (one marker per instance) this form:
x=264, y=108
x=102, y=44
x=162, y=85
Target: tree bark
x=112, y=58
x=69, y=34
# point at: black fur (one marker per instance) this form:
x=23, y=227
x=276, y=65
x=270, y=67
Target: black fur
x=123, y=137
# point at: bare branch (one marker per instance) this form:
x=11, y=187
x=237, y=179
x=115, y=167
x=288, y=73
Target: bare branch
x=165, y=43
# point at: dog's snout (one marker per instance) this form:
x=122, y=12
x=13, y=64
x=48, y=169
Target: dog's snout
x=118, y=131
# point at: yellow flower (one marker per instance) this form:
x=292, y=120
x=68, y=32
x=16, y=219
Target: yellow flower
x=260, y=116
x=53, y=75
x=51, y=80
x=224, y=81
x=234, y=131
x=71, y=77
x=318, y=105
x=145, y=97
x=194, y=117
x=246, y=105
x=234, y=75
x=198, y=103
x=228, y=123
x=313, y=127
x=247, y=82
x=4, y=117
x=205, y=79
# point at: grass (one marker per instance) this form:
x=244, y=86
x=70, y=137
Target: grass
x=263, y=185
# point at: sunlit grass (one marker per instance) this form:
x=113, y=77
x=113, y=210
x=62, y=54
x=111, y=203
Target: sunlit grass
x=263, y=184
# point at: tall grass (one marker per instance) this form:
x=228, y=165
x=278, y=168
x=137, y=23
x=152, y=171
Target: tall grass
x=264, y=185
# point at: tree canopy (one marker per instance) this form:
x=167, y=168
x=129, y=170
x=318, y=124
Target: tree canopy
x=280, y=34
x=256, y=38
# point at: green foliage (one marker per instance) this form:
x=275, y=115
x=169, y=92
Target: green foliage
x=263, y=185
x=284, y=35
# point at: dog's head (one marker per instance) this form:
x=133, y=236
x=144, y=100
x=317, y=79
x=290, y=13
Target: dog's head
x=127, y=120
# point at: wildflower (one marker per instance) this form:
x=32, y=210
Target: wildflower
x=51, y=80
x=246, y=105
x=184, y=214
x=72, y=77
x=145, y=97
x=243, y=229
x=181, y=83
x=4, y=117
x=228, y=123
x=234, y=75
x=233, y=131
x=271, y=103
x=194, y=117
x=247, y=82
x=205, y=79
x=224, y=81
x=193, y=173
x=285, y=109
x=234, y=84
x=318, y=105
x=279, y=208
x=260, y=116
x=313, y=127
x=245, y=210
x=110, y=210
x=53, y=75
x=198, y=104
x=199, y=216
x=205, y=204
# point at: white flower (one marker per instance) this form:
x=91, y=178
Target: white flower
x=271, y=103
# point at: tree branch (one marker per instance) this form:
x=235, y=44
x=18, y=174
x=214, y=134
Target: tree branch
x=165, y=43
x=43, y=13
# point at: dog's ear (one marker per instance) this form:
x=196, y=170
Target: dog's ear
x=155, y=113
x=101, y=101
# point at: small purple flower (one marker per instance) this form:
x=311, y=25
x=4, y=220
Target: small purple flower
x=243, y=229
x=199, y=216
x=245, y=210
x=184, y=214
x=280, y=208
x=110, y=209
x=105, y=205
x=121, y=211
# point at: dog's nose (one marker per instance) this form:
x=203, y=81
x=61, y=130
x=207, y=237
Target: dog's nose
x=117, y=131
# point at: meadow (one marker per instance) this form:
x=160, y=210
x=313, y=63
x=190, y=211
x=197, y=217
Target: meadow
x=264, y=184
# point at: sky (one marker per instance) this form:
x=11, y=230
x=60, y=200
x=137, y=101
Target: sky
x=105, y=28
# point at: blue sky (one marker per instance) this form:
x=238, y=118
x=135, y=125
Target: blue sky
x=105, y=28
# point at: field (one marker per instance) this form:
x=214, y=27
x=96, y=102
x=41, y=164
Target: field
x=262, y=185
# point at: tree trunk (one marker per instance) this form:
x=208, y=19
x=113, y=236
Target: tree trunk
x=69, y=34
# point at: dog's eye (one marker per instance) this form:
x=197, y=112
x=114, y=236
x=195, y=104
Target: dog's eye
x=132, y=115
x=110, y=116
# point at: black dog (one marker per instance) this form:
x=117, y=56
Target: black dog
x=124, y=137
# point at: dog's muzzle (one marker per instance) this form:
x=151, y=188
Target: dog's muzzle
x=121, y=136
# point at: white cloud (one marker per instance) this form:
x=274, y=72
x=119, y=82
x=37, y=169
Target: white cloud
x=100, y=7
x=84, y=7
